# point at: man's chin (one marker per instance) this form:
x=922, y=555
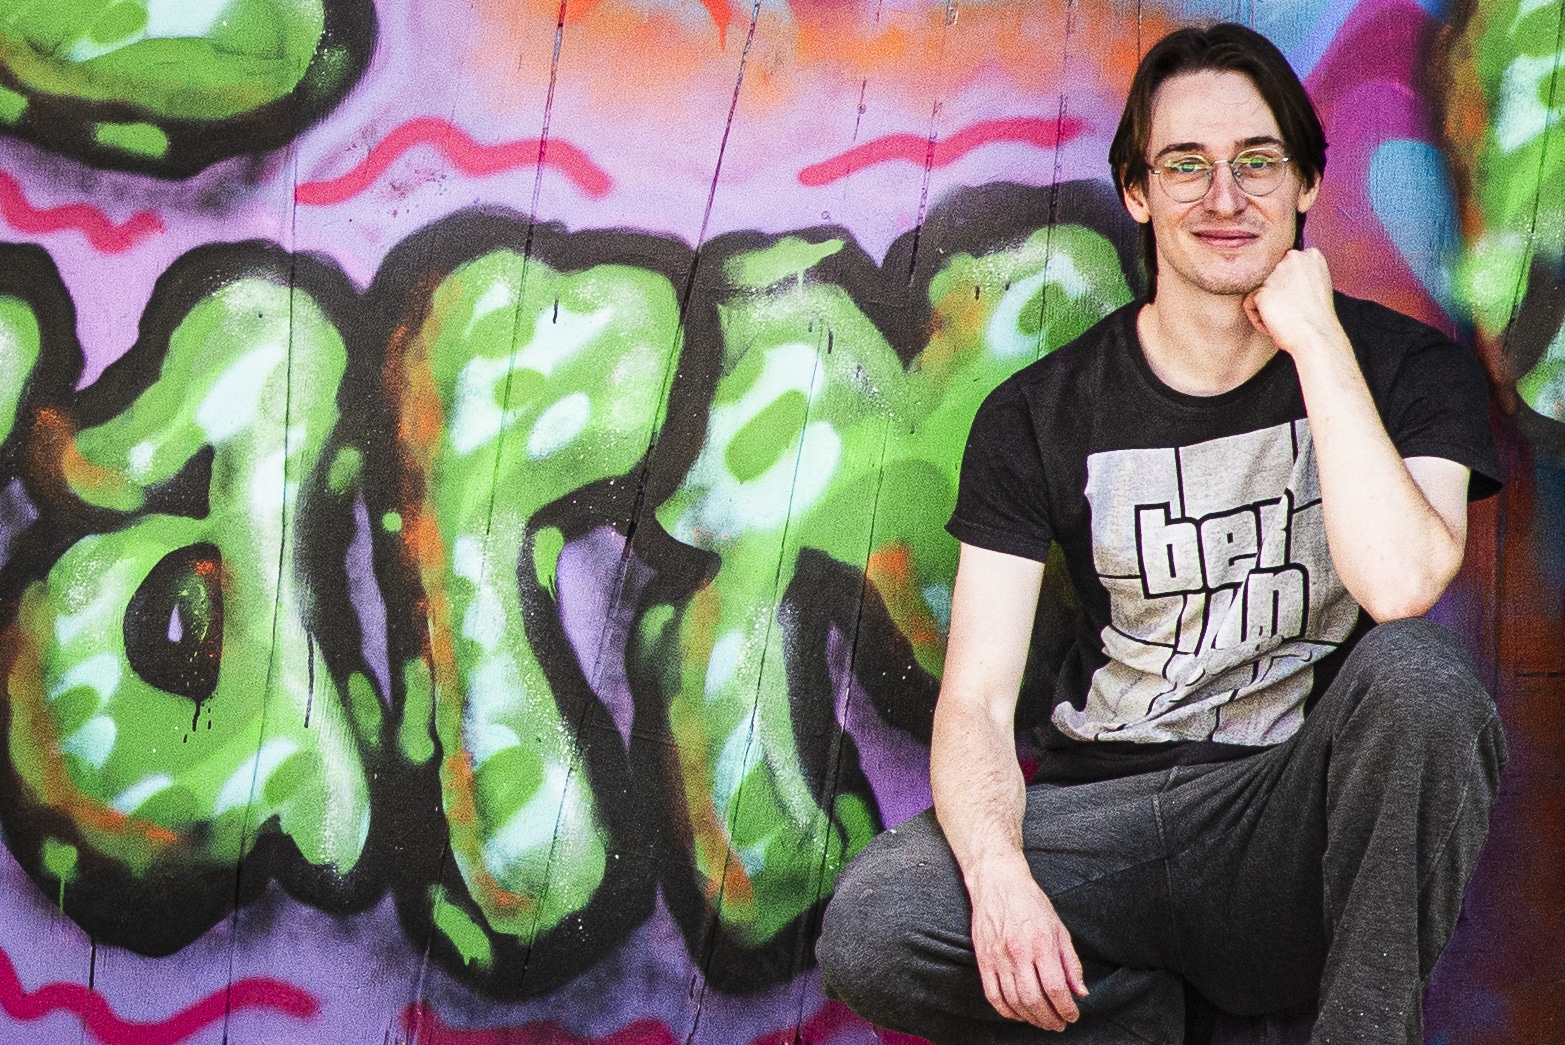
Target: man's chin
x=1235, y=279
x=1230, y=284
x=1235, y=288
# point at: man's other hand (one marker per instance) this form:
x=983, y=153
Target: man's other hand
x=1025, y=956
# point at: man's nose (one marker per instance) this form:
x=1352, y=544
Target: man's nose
x=1224, y=194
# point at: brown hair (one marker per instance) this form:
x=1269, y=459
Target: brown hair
x=1225, y=47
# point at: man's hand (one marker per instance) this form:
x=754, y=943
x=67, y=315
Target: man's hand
x=1029, y=966
x=1294, y=307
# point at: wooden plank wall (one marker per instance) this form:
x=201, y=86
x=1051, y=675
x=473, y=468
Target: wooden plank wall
x=473, y=474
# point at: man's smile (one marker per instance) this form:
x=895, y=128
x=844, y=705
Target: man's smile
x=1225, y=239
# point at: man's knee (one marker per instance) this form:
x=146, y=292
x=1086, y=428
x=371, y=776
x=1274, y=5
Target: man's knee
x=894, y=893
x=1413, y=677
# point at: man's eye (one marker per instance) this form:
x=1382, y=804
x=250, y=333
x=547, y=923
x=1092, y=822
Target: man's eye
x=1258, y=163
x=1187, y=166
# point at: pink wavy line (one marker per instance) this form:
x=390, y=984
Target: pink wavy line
x=424, y=1024
x=465, y=154
x=426, y=1027
x=1028, y=130
x=105, y=236
x=106, y=1025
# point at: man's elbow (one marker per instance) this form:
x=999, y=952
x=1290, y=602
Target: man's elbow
x=1414, y=591
x=1385, y=609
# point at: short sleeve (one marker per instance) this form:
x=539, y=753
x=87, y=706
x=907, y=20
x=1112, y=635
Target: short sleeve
x=1438, y=406
x=1001, y=501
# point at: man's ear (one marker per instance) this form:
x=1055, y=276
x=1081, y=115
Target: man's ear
x=1307, y=196
x=1135, y=199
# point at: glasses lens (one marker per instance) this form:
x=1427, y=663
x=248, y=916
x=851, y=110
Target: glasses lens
x=1258, y=172
x=1186, y=179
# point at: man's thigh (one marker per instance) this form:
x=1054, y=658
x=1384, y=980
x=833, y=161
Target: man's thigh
x=1389, y=756
x=897, y=946
x=1246, y=839
x=1098, y=852
x=1095, y=849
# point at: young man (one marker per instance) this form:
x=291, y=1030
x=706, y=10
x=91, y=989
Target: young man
x=1249, y=786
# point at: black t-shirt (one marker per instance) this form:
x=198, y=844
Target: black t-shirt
x=1192, y=531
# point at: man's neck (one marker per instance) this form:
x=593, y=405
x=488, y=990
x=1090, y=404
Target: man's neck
x=1201, y=344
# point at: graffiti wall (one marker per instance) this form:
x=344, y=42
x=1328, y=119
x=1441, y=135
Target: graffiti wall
x=472, y=476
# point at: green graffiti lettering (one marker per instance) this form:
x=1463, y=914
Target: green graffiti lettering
x=144, y=138
x=171, y=706
x=466, y=935
x=167, y=693
x=12, y=105
x=522, y=385
x=179, y=59
x=170, y=86
x=1507, y=62
x=819, y=438
x=1543, y=387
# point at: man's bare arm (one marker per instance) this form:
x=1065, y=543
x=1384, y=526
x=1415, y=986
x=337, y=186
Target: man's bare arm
x=1397, y=529
x=1025, y=957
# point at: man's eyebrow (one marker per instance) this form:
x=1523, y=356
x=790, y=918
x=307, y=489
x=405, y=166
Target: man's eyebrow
x=1178, y=147
x=1247, y=143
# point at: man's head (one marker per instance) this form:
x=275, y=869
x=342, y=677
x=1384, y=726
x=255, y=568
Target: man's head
x=1217, y=89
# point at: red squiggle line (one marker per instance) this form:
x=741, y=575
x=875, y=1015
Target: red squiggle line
x=1029, y=130
x=425, y=1026
x=468, y=156
x=105, y=1024
x=103, y=234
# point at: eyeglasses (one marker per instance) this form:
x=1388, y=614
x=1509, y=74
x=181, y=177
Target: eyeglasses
x=1187, y=178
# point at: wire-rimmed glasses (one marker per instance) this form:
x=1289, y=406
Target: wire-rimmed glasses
x=1187, y=178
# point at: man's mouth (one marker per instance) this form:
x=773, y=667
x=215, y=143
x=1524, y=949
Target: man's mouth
x=1228, y=238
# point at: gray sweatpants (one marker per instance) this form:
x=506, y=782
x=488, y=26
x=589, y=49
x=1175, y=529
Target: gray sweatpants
x=1328, y=869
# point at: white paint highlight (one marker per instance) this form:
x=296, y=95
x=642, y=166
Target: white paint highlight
x=798, y=478
x=253, y=772
x=93, y=742
x=498, y=295
x=476, y=413
x=559, y=425
x=135, y=796
x=100, y=673
x=234, y=401
x=1523, y=116
x=518, y=852
x=1003, y=333
x=723, y=663
x=741, y=753
x=177, y=19
x=487, y=739
x=139, y=460
x=484, y=620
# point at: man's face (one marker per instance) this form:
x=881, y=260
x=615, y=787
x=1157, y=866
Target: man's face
x=1227, y=242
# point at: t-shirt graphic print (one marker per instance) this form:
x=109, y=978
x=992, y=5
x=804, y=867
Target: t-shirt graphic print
x=1222, y=591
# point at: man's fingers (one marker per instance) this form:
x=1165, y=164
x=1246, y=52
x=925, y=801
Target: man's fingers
x=992, y=991
x=1073, y=973
x=1032, y=999
x=1053, y=978
x=1254, y=312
